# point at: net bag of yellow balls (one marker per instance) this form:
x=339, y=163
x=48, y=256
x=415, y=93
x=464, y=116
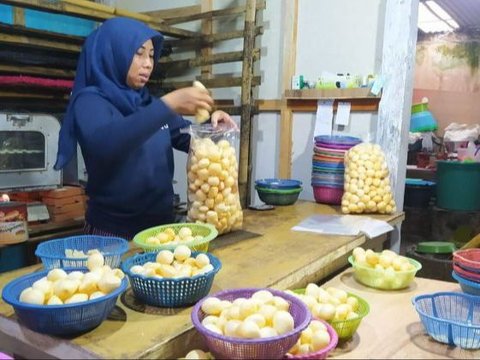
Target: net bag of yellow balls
x=367, y=183
x=212, y=171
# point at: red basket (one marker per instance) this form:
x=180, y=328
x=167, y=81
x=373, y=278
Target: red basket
x=322, y=353
x=468, y=258
x=328, y=195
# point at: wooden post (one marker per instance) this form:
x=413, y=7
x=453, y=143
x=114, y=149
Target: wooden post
x=286, y=114
x=246, y=103
x=18, y=16
x=206, y=71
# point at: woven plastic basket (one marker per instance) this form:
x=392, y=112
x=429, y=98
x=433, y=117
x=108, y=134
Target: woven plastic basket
x=207, y=231
x=322, y=353
x=379, y=280
x=168, y=292
x=468, y=259
x=346, y=328
x=225, y=347
x=52, y=253
x=59, y=320
x=450, y=318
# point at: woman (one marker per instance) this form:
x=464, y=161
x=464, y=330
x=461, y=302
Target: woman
x=126, y=135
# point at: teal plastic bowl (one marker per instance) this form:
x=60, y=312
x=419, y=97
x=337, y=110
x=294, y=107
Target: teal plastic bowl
x=278, y=197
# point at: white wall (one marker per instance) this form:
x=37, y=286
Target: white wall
x=335, y=36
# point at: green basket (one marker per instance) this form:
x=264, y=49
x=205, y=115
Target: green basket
x=346, y=328
x=206, y=230
x=378, y=280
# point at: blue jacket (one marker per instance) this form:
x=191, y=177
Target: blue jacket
x=130, y=168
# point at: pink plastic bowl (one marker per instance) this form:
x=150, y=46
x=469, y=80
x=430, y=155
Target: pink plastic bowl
x=328, y=195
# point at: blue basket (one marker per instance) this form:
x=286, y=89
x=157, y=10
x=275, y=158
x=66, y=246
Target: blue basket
x=52, y=253
x=280, y=184
x=59, y=319
x=169, y=292
x=468, y=286
x=451, y=318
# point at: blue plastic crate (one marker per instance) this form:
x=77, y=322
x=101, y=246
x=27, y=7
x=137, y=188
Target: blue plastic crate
x=6, y=14
x=45, y=21
x=169, y=292
x=59, y=319
x=450, y=318
x=52, y=253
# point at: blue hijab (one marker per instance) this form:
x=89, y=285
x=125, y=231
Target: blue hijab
x=102, y=69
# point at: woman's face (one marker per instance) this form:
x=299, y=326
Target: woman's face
x=141, y=66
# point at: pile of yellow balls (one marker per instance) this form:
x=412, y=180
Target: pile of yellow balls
x=213, y=185
x=367, y=184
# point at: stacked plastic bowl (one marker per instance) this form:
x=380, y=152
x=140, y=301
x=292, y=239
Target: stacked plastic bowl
x=328, y=167
x=466, y=270
x=278, y=191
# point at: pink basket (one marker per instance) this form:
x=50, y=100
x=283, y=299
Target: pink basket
x=226, y=347
x=328, y=195
x=468, y=258
x=465, y=273
x=322, y=353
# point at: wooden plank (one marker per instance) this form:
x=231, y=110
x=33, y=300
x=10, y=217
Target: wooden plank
x=24, y=95
x=293, y=258
x=38, y=43
x=173, y=13
x=244, y=167
x=353, y=93
x=93, y=11
x=177, y=65
x=214, y=82
x=37, y=70
x=236, y=110
x=41, y=34
x=286, y=141
x=18, y=16
x=286, y=115
x=269, y=105
x=209, y=39
x=215, y=13
x=207, y=28
x=310, y=105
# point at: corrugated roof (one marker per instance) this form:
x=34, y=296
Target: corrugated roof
x=465, y=12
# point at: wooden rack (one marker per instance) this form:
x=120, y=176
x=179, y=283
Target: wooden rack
x=25, y=51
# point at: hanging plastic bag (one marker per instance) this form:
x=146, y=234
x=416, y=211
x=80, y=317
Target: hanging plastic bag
x=367, y=183
x=212, y=171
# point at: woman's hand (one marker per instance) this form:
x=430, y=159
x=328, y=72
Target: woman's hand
x=222, y=117
x=186, y=101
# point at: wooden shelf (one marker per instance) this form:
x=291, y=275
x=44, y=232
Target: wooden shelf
x=306, y=99
x=334, y=94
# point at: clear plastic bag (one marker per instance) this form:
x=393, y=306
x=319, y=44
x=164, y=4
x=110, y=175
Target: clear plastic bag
x=367, y=183
x=212, y=171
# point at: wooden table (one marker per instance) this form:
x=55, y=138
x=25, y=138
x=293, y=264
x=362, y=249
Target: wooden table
x=392, y=329
x=279, y=258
